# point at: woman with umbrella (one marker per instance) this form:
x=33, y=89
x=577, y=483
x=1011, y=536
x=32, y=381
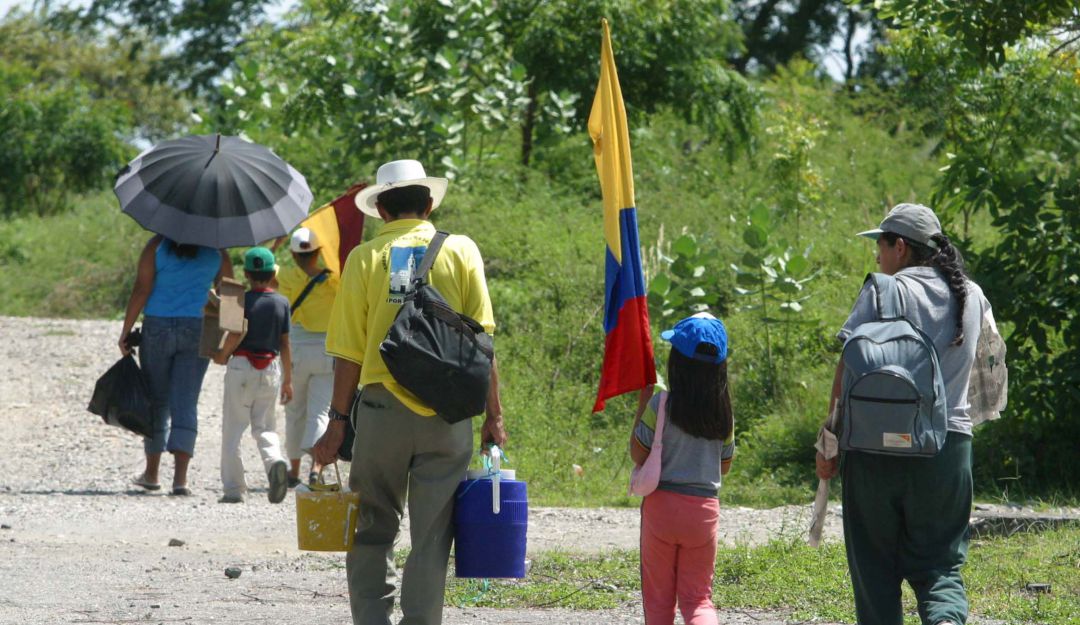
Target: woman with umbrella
x=171, y=288
x=200, y=194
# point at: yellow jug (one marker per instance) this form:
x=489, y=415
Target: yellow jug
x=326, y=517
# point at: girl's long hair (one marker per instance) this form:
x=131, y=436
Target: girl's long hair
x=699, y=401
x=949, y=262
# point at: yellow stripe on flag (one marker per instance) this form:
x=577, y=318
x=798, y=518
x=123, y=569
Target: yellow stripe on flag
x=323, y=222
x=611, y=146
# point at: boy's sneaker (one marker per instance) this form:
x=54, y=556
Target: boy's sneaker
x=278, y=475
x=231, y=499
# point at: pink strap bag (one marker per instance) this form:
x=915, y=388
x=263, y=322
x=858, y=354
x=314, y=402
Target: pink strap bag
x=644, y=479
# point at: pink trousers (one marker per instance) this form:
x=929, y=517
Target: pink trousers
x=678, y=557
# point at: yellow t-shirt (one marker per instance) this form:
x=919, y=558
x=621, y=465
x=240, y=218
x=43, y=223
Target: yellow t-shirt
x=314, y=313
x=373, y=286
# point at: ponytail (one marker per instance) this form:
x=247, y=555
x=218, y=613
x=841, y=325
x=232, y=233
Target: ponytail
x=950, y=263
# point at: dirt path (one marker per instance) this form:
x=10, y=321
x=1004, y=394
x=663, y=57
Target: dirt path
x=78, y=544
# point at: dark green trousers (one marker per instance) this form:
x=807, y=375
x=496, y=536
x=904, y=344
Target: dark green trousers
x=907, y=519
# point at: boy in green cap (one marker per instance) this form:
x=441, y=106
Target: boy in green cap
x=253, y=378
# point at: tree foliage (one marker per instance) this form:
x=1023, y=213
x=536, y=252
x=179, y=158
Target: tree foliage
x=984, y=30
x=669, y=54
x=203, y=35
x=446, y=81
x=776, y=32
x=67, y=104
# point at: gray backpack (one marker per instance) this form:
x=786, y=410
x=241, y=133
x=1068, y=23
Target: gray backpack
x=892, y=394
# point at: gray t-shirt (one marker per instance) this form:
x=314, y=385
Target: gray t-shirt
x=931, y=307
x=689, y=465
x=267, y=315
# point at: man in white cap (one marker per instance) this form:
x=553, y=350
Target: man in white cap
x=401, y=446
x=311, y=291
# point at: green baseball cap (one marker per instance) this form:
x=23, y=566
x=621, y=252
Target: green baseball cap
x=259, y=259
x=911, y=221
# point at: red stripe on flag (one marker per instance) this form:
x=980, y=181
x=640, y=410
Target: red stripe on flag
x=628, y=361
x=350, y=222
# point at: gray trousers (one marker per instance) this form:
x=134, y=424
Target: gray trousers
x=906, y=518
x=397, y=453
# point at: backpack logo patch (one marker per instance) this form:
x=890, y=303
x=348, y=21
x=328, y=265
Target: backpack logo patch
x=895, y=439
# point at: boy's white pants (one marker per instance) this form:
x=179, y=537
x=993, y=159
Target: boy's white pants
x=250, y=399
x=307, y=415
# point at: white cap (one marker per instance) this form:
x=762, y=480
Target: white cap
x=304, y=240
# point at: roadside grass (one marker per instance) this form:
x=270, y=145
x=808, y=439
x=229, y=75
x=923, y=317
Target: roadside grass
x=808, y=584
x=78, y=264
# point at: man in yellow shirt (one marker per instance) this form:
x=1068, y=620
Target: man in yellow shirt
x=400, y=445
x=313, y=371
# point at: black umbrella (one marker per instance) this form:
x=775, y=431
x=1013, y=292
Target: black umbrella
x=214, y=191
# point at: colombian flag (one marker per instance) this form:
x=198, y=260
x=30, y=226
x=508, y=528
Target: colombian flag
x=628, y=352
x=339, y=226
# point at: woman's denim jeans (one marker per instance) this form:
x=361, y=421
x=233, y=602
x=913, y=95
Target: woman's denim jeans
x=170, y=358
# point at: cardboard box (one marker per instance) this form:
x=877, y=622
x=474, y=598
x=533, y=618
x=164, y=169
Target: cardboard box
x=223, y=312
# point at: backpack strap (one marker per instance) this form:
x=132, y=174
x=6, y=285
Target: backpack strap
x=429, y=257
x=887, y=300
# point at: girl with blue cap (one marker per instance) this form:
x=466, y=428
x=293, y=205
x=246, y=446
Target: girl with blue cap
x=691, y=428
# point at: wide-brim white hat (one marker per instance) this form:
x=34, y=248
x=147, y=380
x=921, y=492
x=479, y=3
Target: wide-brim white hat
x=396, y=174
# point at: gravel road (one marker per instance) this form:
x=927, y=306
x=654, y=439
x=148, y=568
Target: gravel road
x=79, y=544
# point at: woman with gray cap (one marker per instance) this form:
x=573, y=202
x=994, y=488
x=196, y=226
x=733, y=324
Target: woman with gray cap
x=906, y=516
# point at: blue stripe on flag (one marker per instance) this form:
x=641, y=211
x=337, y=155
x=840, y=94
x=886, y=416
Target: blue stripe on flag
x=625, y=282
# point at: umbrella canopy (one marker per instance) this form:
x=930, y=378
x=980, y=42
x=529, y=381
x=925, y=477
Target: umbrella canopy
x=214, y=191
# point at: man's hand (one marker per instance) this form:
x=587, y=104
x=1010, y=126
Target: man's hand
x=124, y=349
x=493, y=431
x=827, y=469
x=286, y=392
x=325, y=451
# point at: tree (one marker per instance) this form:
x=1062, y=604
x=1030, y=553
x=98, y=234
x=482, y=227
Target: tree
x=775, y=32
x=670, y=54
x=204, y=34
x=369, y=78
x=445, y=81
x=68, y=105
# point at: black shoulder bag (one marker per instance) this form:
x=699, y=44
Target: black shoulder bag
x=436, y=353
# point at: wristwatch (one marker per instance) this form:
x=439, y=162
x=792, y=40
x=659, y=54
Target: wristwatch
x=337, y=416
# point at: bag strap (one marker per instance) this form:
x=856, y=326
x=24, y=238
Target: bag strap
x=321, y=276
x=661, y=416
x=888, y=301
x=429, y=257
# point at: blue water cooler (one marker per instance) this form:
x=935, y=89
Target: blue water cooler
x=491, y=517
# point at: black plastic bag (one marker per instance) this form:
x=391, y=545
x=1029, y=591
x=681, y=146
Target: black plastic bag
x=122, y=398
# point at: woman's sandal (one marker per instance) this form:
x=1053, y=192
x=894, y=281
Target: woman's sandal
x=145, y=483
x=181, y=491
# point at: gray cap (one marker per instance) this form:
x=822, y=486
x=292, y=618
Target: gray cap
x=911, y=221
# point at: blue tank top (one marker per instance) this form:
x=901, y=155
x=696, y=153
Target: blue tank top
x=181, y=285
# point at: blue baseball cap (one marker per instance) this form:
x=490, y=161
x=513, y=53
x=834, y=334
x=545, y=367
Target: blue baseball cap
x=690, y=334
